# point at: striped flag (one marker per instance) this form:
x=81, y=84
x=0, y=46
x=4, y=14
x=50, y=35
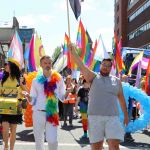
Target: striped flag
x=15, y=52
x=31, y=61
x=147, y=83
x=81, y=40
x=38, y=51
x=66, y=52
x=117, y=55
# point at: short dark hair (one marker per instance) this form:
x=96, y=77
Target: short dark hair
x=107, y=59
x=44, y=57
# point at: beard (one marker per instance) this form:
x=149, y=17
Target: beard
x=47, y=68
x=104, y=74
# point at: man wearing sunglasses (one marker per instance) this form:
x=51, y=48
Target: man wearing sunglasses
x=103, y=112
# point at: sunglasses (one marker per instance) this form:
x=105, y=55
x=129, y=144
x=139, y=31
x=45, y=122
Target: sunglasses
x=107, y=66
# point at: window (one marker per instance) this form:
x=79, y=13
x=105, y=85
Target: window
x=139, y=31
x=117, y=19
x=138, y=11
x=117, y=7
x=116, y=1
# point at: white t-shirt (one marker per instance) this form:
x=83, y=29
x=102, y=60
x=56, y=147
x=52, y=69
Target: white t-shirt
x=38, y=96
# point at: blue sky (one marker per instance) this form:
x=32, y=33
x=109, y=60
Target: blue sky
x=49, y=18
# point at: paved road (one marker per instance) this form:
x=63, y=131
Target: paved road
x=69, y=139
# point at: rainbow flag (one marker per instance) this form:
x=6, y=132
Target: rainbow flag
x=117, y=55
x=81, y=40
x=91, y=61
x=15, y=52
x=147, y=84
x=96, y=66
x=31, y=61
x=66, y=52
x=65, y=47
x=88, y=49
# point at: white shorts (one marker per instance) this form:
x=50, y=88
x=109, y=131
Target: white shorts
x=108, y=127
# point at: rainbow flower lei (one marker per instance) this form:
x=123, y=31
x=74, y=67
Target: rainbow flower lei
x=51, y=100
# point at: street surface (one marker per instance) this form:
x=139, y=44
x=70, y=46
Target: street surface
x=70, y=139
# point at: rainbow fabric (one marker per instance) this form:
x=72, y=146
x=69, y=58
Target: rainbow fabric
x=117, y=55
x=31, y=63
x=81, y=40
x=51, y=100
x=84, y=116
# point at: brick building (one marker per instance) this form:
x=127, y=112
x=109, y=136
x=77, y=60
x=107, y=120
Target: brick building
x=132, y=22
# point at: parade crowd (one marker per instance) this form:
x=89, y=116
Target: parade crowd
x=93, y=98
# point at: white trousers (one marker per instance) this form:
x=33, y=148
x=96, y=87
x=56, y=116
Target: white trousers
x=41, y=126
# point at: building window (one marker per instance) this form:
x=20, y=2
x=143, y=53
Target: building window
x=147, y=46
x=139, y=31
x=117, y=19
x=117, y=7
x=131, y=2
x=139, y=11
x=116, y=1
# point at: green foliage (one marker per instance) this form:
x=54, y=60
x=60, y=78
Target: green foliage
x=56, y=53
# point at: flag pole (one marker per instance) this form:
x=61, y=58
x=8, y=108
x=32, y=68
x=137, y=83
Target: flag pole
x=68, y=18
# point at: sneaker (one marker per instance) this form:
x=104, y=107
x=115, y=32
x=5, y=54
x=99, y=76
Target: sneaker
x=71, y=125
x=85, y=135
x=65, y=125
x=128, y=138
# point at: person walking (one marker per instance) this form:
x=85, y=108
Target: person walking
x=46, y=89
x=103, y=111
x=10, y=87
x=82, y=99
x=69, y=101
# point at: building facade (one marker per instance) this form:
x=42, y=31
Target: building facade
x=132, y=22
x=7, y=31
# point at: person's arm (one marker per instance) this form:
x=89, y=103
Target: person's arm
x=87, y=73
x=61, y=91
x=123, y=104
x=31, y=97
x=23, y=86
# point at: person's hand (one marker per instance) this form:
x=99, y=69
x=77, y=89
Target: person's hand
x=71, y=47
x=21, y=80
x=25, y=94
x=76, y=110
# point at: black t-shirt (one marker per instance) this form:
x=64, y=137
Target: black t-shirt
x=83, y=93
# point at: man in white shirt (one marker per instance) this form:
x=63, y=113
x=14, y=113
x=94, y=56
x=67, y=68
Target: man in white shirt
x=43, y=86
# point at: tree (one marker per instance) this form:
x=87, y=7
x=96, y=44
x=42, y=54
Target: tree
x=56, y=53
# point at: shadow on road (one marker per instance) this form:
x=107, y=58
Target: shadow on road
x=83, y=141
x=26, y=135
x=69, y=128
x=143, y=146
x=146, y=132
